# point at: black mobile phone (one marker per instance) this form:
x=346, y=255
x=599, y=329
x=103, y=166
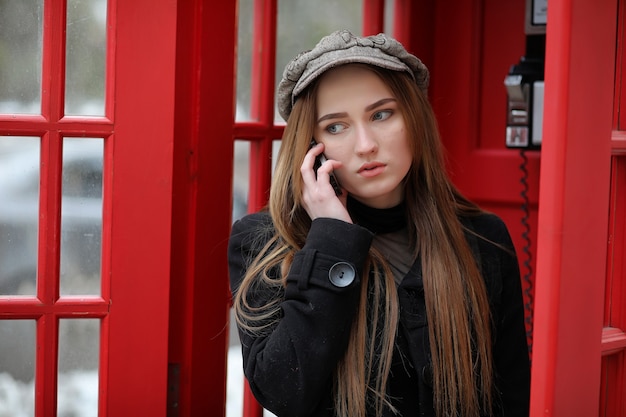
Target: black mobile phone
x=319, y=160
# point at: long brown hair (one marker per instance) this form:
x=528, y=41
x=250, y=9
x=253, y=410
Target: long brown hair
x=456, y=299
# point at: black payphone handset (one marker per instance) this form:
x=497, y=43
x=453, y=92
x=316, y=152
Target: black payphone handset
x=524, y=83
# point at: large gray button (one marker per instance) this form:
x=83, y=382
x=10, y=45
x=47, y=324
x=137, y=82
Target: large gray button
x=341, y=274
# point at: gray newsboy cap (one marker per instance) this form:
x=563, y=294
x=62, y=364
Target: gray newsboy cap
x=339, y=48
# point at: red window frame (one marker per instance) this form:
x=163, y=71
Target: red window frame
x=47, y=306
x=133, y=304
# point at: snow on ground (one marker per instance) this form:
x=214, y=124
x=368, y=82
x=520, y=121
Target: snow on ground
x=78, y=392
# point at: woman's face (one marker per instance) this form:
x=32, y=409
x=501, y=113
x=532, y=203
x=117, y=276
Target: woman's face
x=360, y=124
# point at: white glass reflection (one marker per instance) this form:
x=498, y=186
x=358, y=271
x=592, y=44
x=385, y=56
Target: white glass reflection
x=17, y=367
x=244, y=60
x=86, y=57
x=389, y=16
x=21, y=28
x=19, y=214
x=81, y=216
x=79, y=346
x=241, y=186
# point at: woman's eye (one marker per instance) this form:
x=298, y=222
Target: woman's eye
x=334, y=128
x=382, y=115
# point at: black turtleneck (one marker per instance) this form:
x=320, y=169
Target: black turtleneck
x=378, y=220
x=391, y=234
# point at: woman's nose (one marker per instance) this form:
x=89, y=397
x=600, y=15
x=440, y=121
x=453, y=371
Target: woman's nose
x=365, y=141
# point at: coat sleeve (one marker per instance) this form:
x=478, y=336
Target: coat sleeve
x=290, y=368
x=510, y=348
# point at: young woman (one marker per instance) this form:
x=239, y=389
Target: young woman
x=393, y=296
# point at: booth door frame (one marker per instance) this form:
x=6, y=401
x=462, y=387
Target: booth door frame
x=577, y=313
x=137, y=129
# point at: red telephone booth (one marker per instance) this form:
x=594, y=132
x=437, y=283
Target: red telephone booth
x=135, y=192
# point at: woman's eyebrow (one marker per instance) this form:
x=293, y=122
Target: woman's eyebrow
x=379, y=103
x=370, y=107
x=331, y=116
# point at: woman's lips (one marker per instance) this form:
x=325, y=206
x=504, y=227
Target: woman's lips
x=371, y=169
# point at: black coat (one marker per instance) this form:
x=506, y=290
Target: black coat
x=290, y=371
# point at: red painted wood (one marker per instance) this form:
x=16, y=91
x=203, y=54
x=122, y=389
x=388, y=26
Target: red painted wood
x=414, y=27
x=203, y=157
x=613, y=388
x=251, y=408
x=612, y=400
x=573, y=214
x=619, y=116
x=373, y=17
x=141, y=193
x=53, y=60
x=262, y=103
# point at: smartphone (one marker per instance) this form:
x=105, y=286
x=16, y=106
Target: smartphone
x=319, y=160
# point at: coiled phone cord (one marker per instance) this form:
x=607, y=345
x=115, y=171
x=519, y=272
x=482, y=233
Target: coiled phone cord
x=527, y=280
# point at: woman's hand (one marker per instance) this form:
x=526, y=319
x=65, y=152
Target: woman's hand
x=318, y=196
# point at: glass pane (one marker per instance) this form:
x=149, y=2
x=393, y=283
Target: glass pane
x=17, y=367
x=81, y=216
x=241, y=168
x=79, y=346
x=275, y=148
x=244, y=57
x=241, y=175
x=389, y=12
x=19, y=213
x=86, y=57
x=21, y=29
x=298, y=32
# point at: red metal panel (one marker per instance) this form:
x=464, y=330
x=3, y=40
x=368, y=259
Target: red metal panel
x=373, y=17
x=573, y=214
x=140, y=206
x=53, y=72
x=613, y=386
x=613, y=397
x=262, y=103
x=619, y=115
x=203, y=165
x=414, y=27
x=48, y=274
x=53, y=65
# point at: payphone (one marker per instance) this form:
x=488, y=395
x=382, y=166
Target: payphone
x=524, y=83
x=524, y=87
